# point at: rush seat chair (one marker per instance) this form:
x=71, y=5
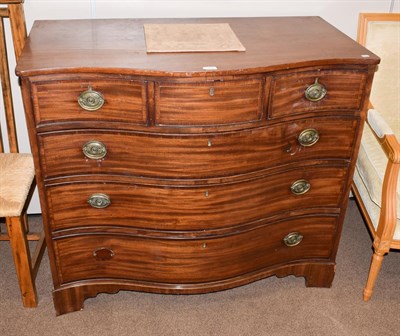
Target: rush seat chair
x=17, y=181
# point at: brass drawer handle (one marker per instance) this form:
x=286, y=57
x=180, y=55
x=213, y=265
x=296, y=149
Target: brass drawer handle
x=300, y=187
x=99, y=201
x=315, y=92
x=91, y=100
x=293, y=239
x=103, y=253
x=94, y=150
x=308, y=137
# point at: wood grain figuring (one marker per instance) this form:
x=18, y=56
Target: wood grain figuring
x=188, y=208
x=199, y=156
x=209, y=103
x=199, y=164
x=125, y=101
x=119, y=47
x=345, y=91
x=71, y=297
x=193, y=261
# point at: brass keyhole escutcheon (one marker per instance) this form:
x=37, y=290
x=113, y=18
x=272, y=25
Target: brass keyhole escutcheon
x=308, y=137
x=293, y=239
x=103, y=253
x=91, y=100
x=315, y=92
x=211, y=91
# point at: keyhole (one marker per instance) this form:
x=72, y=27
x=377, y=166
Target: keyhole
x=287, y=148
x=212, y=91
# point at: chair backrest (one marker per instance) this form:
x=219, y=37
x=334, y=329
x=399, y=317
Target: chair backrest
x=380, y=33
x=12, y=10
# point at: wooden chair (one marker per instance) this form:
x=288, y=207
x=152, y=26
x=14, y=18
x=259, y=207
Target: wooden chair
x=376, y=178
x=17, y=180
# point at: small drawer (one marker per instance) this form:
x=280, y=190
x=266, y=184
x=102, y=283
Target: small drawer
x=180, y=261
x=194, y=208
x=194, y=156
x=314, y=91
x=211, y=103
x=108, y=100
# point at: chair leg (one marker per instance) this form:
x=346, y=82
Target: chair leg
x=376, y=264
x=24, y=219
x=22, y=260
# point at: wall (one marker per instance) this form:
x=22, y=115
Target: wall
x=341, y=13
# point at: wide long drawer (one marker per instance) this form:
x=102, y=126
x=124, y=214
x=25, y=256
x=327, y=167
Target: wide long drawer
x=195, y=156
x=194, y=208
x=179, y=261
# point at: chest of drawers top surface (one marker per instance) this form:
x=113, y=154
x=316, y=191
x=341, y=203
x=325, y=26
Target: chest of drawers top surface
x=114, y=44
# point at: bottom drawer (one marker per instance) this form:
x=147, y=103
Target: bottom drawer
x=180, y=261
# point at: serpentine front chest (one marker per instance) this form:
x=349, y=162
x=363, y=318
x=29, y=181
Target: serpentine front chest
x=192, y=172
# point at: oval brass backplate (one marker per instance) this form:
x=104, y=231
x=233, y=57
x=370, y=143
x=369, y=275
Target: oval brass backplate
x=99, y=201
x=315, y=92
x=94, y=150
x=300, y=187
x=308, y=137
x=91, y=100
x=293, y=239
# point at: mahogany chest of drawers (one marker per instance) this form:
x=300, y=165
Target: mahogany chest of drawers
x=156, y=174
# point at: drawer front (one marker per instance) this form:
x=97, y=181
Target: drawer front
x=192, y=261
x=124, y=101
x=193, y=208
x=213, y=103
x=344, y=91
x=200, y=156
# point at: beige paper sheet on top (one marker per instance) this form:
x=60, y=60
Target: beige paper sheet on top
x=190, y=37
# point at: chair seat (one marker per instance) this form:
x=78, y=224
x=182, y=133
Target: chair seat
x=16, y=175
x=369, y=175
